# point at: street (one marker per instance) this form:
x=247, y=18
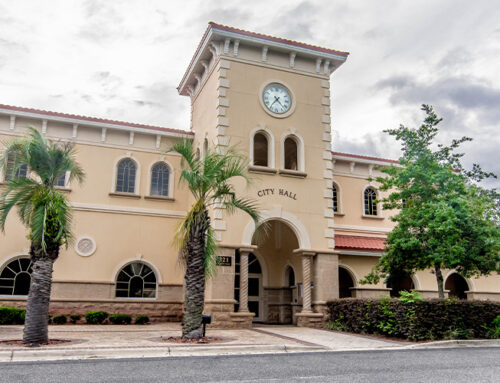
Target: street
x=431, y=365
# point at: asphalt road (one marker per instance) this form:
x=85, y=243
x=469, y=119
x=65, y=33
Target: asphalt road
x=443, y=365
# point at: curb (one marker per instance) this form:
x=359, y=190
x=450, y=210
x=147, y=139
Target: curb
x=113, y=353
x=457, y=342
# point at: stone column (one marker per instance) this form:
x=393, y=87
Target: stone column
x=243, y=308
x=306, y=281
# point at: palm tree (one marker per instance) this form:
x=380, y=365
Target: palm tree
x=44, y=210
x=209, y=180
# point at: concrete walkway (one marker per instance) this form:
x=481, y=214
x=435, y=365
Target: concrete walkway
x=116, y=341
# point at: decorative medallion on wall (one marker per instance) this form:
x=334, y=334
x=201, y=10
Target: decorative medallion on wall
x=85, y=246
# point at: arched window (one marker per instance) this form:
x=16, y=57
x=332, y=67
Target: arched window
x=125, y=178
x=291, y=154
x=136, y=280
x=160, y=174
x=335, y=198
x=370, y=197
x=22, y=170
x=290, y=276
x=260, y=150
x=15, y=278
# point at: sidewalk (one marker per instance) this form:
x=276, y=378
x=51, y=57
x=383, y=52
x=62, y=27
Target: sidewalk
x=115, y=341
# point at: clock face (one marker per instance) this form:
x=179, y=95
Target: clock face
x=277, y=98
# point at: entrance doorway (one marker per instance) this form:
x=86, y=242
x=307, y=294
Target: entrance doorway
x=254, y=286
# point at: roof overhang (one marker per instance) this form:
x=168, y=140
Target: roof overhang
x=216, y=32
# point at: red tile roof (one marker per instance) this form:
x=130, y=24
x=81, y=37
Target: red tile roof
x=276, y=39
x=365, y=157
x=93, y=119
x=354, y=242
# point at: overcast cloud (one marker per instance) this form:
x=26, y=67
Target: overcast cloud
x=123, y=60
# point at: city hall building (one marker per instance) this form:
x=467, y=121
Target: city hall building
x=270, y=98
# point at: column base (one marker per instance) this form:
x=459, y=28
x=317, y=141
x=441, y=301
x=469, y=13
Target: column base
x=310, y=319
x=241, y=320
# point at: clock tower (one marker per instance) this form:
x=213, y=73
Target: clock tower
x=270, y=99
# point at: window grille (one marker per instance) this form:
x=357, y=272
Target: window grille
x=370, y=198
x=136, y=280
x=160, y=179
x=125, y=178
x=15, y=278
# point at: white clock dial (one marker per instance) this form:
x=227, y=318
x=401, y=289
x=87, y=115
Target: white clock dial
x=277, y=98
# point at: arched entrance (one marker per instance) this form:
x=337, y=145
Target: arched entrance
x=457, y=286
x=345, y=283
x=274, y=274
x=400, y=283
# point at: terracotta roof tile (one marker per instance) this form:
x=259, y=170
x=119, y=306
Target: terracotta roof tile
x=93, y=119
x=354, y=242
x=277, y=39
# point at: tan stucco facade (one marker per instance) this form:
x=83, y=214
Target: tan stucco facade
x=284, y=276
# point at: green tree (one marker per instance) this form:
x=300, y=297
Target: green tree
x=209, y=180
x=445, y=220
x=44, y=210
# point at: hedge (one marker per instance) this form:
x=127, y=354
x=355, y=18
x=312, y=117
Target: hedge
x=141, y=319
x=96, y=317
x=11, y=315
x=416, y=319
x=120, y=318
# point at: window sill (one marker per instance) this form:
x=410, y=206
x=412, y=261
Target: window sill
x=292, y=173
x=372, y=216
x=340, y=214
x=63, y=189
x=125, y=195
x=159, y=198
x=261, y=169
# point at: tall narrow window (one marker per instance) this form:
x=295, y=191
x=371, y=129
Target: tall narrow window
x=335, y=199
x=136, y=280
x=291, y=158
x=370, y=198
x=205, y=146
x=125, y=178
x=260, y=150
x=61, y=181
x=159, y=179
x=22, y=170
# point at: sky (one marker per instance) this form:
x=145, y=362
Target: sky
x=123, y=60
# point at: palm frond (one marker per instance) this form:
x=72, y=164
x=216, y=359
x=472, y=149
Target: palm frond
x=41, y=207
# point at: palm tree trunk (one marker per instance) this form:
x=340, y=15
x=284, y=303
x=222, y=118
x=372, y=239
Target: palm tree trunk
x=37, y=309
x=195, y=278
x=439, y=278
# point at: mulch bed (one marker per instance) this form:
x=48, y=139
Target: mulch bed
x=178, y=339
x=17, y=342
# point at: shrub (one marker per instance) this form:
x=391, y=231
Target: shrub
x=141, y=319
x=75, y=318
x=96, y=317
x=412, y=318
x=11, y=315
x=120, y=318
x=59, y=319
x=493, y=330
